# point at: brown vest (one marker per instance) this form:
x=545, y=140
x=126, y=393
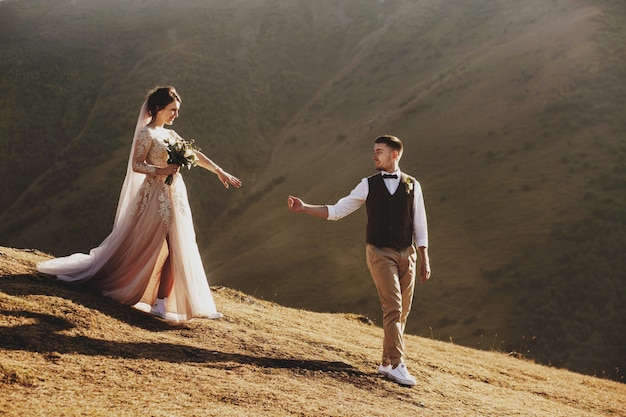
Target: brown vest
x=389, y=217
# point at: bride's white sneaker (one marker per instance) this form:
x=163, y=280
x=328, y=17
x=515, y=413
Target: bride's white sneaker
x=158, y=309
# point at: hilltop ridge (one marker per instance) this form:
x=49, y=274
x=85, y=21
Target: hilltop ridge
x=68, y=351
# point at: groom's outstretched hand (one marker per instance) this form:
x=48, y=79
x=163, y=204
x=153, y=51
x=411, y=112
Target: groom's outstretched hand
x=295, y=204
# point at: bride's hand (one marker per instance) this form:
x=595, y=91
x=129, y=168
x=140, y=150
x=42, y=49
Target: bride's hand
x=170, y=169
x=227, y=179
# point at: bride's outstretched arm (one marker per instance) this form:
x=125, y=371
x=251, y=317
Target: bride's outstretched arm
x=224, y=176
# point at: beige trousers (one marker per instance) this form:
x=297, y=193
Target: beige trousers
x=393, y=273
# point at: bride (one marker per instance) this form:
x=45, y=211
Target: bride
x=151, y=259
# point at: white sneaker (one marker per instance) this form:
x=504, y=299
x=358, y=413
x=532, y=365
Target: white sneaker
x=401, y=375
x=384, y=369
x=158, y=309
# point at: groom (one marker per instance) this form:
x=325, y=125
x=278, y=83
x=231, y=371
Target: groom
x=396, y=224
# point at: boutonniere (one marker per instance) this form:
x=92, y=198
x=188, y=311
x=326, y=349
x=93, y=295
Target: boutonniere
x=408, y=185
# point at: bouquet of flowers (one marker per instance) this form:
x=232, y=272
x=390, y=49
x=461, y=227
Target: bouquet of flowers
x=183, y=153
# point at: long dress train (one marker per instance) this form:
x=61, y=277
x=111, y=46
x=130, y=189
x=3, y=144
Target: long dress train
x=150, y=226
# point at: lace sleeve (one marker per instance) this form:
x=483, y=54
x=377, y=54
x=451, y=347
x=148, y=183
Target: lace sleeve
x=144, y=143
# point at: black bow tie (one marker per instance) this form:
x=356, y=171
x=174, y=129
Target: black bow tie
x=390, y=176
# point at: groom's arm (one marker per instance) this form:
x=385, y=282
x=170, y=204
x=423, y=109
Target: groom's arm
x=341, y=209
x=298, y=206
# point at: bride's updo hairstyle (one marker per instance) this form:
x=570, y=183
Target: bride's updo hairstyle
x=159, y=97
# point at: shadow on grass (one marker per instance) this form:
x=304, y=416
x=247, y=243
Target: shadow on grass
x=43, y=336
x=42, y=333
x=41, y=284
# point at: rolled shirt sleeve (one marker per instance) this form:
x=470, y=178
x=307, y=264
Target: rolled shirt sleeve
x=420, y=225
x=350, y=203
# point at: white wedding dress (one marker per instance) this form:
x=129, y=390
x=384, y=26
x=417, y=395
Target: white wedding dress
x=153, y=221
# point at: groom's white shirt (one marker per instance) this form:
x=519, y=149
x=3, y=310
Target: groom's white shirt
x=358, y=196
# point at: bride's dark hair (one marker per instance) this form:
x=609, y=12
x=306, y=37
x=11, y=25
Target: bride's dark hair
x=159, y=97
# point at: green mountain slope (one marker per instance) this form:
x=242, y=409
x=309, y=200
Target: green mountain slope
x=512, y=116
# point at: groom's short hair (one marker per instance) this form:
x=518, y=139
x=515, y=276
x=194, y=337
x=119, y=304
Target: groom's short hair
x=391, y=141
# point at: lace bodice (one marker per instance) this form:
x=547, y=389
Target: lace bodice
x=151, y=149
x=151, y=153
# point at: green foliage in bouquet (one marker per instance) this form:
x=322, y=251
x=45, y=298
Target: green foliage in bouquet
x=183, y=153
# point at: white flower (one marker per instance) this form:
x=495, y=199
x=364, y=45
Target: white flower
x=408, y=184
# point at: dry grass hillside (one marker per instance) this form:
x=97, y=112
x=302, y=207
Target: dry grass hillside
x=66, y=351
